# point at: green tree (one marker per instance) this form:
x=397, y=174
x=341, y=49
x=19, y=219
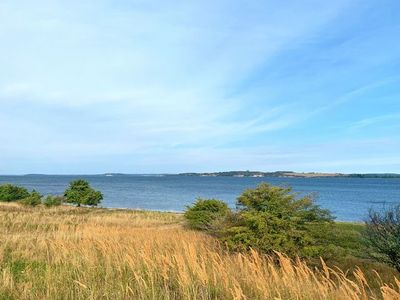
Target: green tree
x=272, y=218
x=80, y=193
x=205, y=214
x=9, y=193
x=382, y=235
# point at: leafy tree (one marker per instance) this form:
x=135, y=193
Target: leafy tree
x=205, y=213
x=268, y=218
x=383, y=235
x=51, y=200
x=272, y=218
x=80, y=193
x=33, y=199
x=9, y=192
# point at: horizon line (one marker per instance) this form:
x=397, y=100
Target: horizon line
x=194, y=172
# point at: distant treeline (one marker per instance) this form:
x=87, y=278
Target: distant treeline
x=383, y=175
x=291, y=174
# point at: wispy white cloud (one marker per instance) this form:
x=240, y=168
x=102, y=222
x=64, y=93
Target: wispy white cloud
x=169, y=81
x=374, y=120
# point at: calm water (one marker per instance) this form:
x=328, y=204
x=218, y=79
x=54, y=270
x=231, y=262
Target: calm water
x=348, y=198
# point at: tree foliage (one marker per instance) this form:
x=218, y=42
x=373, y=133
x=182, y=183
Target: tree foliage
x=268, y=218
x=34, y=199
x=80, y=193
x=205, y=213
x=383, y=235
x=272, y=218
x=9, y=193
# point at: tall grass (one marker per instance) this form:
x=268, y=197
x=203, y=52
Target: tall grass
x=69, y=253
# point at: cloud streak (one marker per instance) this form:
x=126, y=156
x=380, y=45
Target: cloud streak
x=96, y=87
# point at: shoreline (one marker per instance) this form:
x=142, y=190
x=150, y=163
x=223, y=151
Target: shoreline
x=126, y=209
x=238, y=174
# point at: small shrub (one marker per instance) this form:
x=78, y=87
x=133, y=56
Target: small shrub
x=382, y=235
x=205, y=214
x=9, y=193
x=51, y=200
x=33, y=199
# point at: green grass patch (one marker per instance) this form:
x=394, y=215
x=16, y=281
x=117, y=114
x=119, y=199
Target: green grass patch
x=349, y=237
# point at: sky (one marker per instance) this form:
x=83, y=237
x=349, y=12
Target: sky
x=89, y=87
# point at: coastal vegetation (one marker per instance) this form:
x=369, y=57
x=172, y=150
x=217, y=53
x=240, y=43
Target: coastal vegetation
x=79, y=192
x=33, y=199
x=275, y=245
x=205, y=214
x=272, y=218
x=383, y=235
x=52, y=200
x=9, y=193
x=68, y=252
x=269, y=218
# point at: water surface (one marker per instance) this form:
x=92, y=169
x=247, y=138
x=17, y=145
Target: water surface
x=348, y=198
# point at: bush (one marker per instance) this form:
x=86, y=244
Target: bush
x=268, y=218
x=382, y=235
x=80, y=193
x=272, y=218
x=9, y=193
x=204, y=214
x=33, y=199
x=51, y=200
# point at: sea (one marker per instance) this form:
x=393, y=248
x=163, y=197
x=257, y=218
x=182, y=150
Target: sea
x=349, y=199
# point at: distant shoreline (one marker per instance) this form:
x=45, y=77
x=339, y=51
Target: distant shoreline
x=254, y=174
x=291, y=174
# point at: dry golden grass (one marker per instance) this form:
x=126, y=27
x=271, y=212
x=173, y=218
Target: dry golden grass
x=71, y=253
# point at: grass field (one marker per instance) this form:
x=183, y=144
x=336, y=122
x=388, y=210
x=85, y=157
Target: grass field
x=82, y=253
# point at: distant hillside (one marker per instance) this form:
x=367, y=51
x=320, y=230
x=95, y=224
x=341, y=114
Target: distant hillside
x=265, y=174
x=289, y=174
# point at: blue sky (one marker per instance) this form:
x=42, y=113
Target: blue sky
x=175, y=86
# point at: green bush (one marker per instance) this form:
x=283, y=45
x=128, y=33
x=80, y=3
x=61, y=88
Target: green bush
x=272, y=218
x=382, y=235
x=268, y=218
x=205, y=214
x=51, y=200
x=9, y=193
x=80, y=193
x=33, y=199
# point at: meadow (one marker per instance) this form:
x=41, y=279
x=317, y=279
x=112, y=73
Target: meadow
x=92, y=253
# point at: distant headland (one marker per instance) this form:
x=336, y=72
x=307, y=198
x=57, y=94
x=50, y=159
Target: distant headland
x=288, y=174
x=291, y=174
